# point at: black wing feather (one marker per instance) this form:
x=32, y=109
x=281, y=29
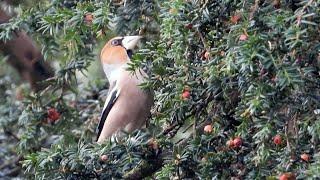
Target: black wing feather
x=106, y=112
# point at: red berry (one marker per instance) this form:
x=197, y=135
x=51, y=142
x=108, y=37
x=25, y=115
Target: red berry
x=287, y=176
x=230, y=143
x=53, y=115
x=153, y=144
x=283, y=177
x=243, y=37
x=305, y=157
x=104, y=157
x=185, y=95
x=207, y=128
x=234, y=19
x=88, y=18
x=189, y=26
x=277, y=139
x=237, y=142
x=206, y=55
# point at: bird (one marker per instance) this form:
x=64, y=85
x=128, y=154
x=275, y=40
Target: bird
x=127, y=106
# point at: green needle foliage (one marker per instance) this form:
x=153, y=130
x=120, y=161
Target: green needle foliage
x=251, y=68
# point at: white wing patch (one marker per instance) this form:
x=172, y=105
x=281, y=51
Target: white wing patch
x=111, y=99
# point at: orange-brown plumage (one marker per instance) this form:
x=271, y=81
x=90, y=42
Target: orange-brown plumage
x=113, y=54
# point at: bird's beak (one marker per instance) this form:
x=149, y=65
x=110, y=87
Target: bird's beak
x=130, y=42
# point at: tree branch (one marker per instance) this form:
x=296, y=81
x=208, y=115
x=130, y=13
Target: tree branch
x=146, y=169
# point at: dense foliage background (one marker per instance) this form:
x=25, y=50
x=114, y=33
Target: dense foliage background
x=236, y=90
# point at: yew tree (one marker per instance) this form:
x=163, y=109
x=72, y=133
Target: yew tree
x=236, y=88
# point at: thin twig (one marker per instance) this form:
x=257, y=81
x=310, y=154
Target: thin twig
x=9, y=133
x=202, y=40
x=254, y=9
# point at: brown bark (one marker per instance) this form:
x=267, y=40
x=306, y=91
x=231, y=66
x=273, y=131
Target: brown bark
x=25, y=57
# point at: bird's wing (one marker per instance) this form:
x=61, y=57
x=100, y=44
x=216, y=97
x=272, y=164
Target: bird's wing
x=111, y=99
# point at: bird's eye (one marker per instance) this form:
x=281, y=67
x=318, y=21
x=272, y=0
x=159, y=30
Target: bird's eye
x=115, y=42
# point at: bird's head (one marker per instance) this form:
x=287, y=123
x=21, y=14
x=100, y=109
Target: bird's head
x=118, y=50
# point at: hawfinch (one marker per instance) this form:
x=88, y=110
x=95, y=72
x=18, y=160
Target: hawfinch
x=127, y=106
